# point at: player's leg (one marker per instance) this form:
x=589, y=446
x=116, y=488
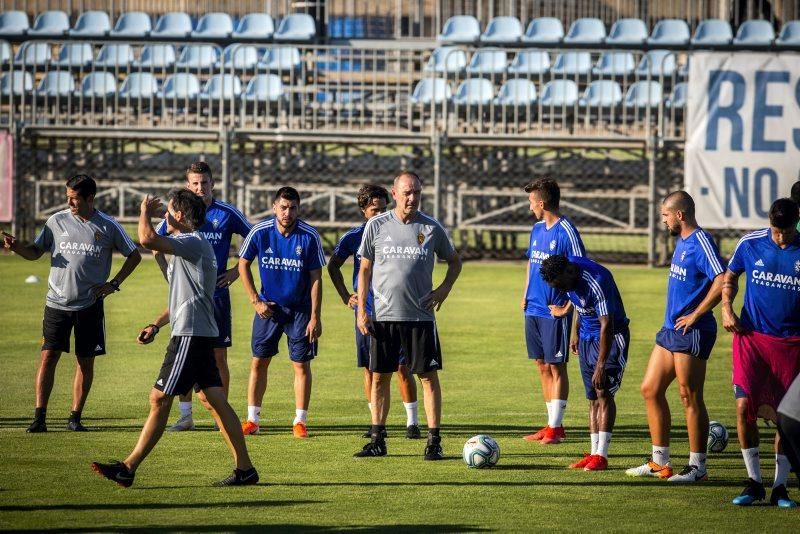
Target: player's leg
x=408, y=392
x=81, y=384
x=605, y=415
x=747, y=432
x=160, y=404
x=56, y=332
x=535, y=349
x=555, y=340
x=380, y=397
x=362, y=361
x=780, y=496
x=90, y=341
x=302, y=397
x=691, y=374
x=185, y=420
x=432, y=398
x=264, y=345
x=384, y=356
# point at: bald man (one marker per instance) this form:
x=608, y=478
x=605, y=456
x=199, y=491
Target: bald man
x=684, y=343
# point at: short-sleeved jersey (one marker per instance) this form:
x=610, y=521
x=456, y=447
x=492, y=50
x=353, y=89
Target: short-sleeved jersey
x=222, y=221
x=284, y=262
x=348, y=246
x=695, y=264
x=596, y=295
x=402, y=257
x=772, y=289
x=192, y=276
x=80, y=256
x=561, y=238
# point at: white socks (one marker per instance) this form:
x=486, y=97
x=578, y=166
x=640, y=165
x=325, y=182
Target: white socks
x=604, y=439
x=411, y=413
x=254, y=414
x=557, y=408
x=185, y=408
x=549, y=412
x=698, y=459
x=595, y=437
x=300, y=416
x=660, y=455
x=752, y=463
x=782, y=468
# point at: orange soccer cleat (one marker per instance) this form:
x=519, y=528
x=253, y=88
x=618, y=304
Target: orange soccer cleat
x=250, y=428
x=299, y=430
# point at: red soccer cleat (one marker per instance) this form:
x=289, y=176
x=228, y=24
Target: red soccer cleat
x=249, y=428
x=299, y=430
x=553, y=436
x=583, y=462
x=596, y=463
x=536, y=436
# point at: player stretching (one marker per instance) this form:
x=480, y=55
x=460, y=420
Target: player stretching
x=766, y=338
x=602, y=327
x=547, y=336
x=290, y=260
x=684, y=343
x=372, y=201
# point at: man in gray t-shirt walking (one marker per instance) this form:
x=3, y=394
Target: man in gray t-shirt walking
x=192, y=277
x=80, y=241
x=397, y=260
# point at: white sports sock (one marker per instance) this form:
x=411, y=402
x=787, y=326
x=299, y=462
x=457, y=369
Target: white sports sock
x=300, y=416
x=549, y=412
x=595, y=437
x=254, y=414
x=604, y=439
x=185, y=408
x=752, y=463
x=698, y=459
x=782, y=468
x=559, y=406
x=411, y=413
x=660, y=455
x=369, y=407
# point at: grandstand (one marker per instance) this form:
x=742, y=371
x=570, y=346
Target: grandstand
x=326, y=95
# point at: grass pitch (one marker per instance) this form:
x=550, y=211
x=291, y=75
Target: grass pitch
x=316, y=485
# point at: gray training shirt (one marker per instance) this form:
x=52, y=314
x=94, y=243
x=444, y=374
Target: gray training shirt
x=402, y=263
x=80, y=256
x=192, y=275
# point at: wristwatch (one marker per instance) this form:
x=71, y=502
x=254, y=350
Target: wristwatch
x=114, y=283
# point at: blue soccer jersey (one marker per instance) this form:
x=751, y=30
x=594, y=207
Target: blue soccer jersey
x=561, y=238
x=596, y=295
x=284, y=262
x=348, y=246
x=695, y=264
x=772, y=290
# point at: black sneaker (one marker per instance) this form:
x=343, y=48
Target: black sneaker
x=780, y=498
x=433, y=450
x=116, y=472
x=368, y=433
x=412, y=432
x=240, y=478
x=371, y=449
x=753, y=491
x=37, y=426
x=76, y=426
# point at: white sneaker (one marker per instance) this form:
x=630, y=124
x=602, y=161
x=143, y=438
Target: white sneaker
x=690, y=473
x=184, y=423
x=650, y=469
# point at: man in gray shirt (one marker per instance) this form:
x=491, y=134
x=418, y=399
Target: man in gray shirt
x=397, y=260
x=189, y=361
x=80, y=240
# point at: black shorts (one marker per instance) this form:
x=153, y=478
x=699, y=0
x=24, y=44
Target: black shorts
x=90, y=330
x=417, y=341
x=189, y=361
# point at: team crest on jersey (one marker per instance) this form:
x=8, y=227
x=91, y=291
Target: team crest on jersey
x=553, y=244
x=420, y=238
x=298, y=250
x=98, y=235
x=683, y=255
x=215, y=223
x=797, y=266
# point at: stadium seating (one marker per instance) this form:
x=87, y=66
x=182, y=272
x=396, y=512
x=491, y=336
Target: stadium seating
x=613, y=64
x=627, y=32
x=180, y=87
x=50, y=24
x=156, y=56
x=517, y=92
x=657, y=63
x=299, y=27
x=559, y=93
x=431, y=91
x=601, y=94
x=224, y=87
x=670, y=32
x=56, y=84
x=133, y=25
x=643, y=94
x=790, y=34
x=74, y=55
x=488, y=61
x=463, y=29
x=13, y=23
x=34, y=54
x=5, y=52
x=712, y=32
x=213, y=26
x=172, y=26
x=197, y=57
x=139, y=85
x=280, y=59
x=678, y=98
x=754, y=33
x=474, y=92
x=530, y=62
x=97, y=85
x=447, y=59
x=502, y=30
x=238, y=57
x=264, y=88
x=544, y=31
x=114, y=55
x=91, y=24
x=16, y=83
x=255, y=26
x=586, y=31
x=572, y=63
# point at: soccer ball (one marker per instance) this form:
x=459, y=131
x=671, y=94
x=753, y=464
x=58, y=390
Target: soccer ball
x=481, y=451
x=717, y=437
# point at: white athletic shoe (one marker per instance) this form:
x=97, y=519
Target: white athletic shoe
x=650, y=469
x=690, y=473
x=184, y=423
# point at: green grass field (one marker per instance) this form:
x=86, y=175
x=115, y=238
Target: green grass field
x=316, y=485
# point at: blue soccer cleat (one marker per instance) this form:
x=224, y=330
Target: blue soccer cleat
x=753, y=491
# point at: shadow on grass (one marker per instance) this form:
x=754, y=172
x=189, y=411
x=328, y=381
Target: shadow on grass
x=587, y=482
x=149, y=506
x=226, y=527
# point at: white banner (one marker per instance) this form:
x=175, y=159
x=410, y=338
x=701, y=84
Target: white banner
x=742, y=135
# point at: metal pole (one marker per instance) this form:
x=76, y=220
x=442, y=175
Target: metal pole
x=437, y=179
x=225, y=163
x=650, y=152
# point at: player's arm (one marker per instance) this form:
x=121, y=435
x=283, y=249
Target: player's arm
x=524, y=303
x=148, y=333
x=148, y=237
x=314, y=327
x=133, y=259
x=245, y=273
x=711, y=299
x=29, y=251
x=364, y=281
x=599, y=376
x=730, y=287
x=573, y=339
x=228, y=277
x=435, y=298
x=335, y=272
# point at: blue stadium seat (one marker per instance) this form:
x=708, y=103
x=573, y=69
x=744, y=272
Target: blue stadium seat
x=180, y=86
x=350, y=27
x=614, y=64
x=264, y=88
x=488, y=61
x=16, y=83
x=601, y=94
x=50, y=24
x=572, y=63
x=559, y=93
x=13, y=23
x=754, y=33
x=256, y=26
x=474, y=92
x=222, y=86
x=463, y=29
x=678, y=98
x=97, y=85
x=670, y=32
x=431, y=91
x=5, y=52
x=657, y=63
x=91, y=24
x=56, y=84
x=280, y=59
x=133, y=24
x=296, y=27
x=74, y=55
x=711, y=32
x=114, y=55
x=172, y=25
x=239, y=57
x=502, y=30
x=544, y=31
x=139, y=85
x=627, y=32
x=213, y=26
x=643, y=94
x=790, y=34
x=156, y=56
x=517, y=92
x=197, y=57
x=447, y=59
x=530, y=62
x=32, y=54
x=586, y=31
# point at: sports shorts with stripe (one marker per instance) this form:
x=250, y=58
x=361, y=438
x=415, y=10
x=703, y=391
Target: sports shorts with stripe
x=695, y=342
x=589, y=349
x=548, y=338
x=415, y=343
x=189, y=361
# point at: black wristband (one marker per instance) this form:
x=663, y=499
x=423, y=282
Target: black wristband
x=154, y=326
x=114, y=283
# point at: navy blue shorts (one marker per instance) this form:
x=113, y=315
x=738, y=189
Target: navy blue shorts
x=222, y=315
x=548, y=338
x=268, y=332
x=588, y=350
x=698, y=343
